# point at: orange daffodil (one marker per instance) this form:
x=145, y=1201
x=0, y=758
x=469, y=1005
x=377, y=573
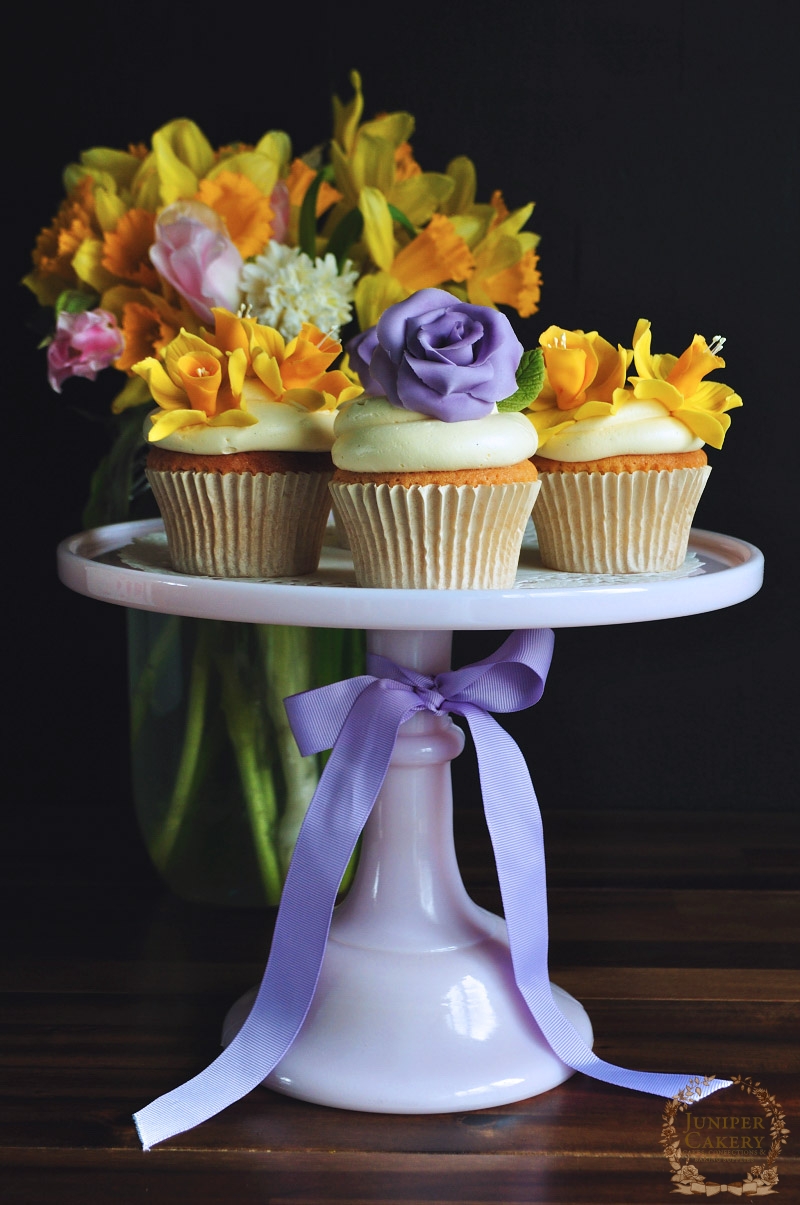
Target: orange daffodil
x=585, y=377
x=201, y=379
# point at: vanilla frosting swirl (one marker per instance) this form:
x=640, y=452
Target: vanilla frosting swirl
x=280, y=427
x=637, y=428
x=374, y=436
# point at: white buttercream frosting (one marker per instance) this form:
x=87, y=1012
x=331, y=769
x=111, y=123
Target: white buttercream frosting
x=637, y=428
x=281, y=427
x=373, y=436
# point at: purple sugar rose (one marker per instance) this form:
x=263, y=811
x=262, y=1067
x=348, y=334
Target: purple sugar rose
x=442, y=357
x=360, y=349
x=82, y=346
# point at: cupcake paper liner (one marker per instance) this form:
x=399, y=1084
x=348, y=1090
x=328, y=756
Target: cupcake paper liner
x=243, y=524
x=432, y=537
x=617, y=522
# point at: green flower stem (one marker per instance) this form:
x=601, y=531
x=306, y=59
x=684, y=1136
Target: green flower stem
x=258, y=787
x=143, y=690
x=161, y=848
x=287, y=654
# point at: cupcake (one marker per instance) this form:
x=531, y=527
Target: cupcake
x=239, y=462
x=621, y=459
x=433, y=480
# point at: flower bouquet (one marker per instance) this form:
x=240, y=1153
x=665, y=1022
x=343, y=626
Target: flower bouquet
x=146, y=244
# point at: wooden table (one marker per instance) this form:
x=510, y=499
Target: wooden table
x=680, y=937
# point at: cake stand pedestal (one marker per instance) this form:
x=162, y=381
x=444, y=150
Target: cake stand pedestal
x=416, y=1009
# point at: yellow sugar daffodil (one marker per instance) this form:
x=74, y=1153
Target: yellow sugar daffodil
x=677, y=383
x=296, y=371
x=195, y=385
x=584, y=378
x=581, y=366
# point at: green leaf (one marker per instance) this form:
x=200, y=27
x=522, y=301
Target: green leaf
x=73, y=301
x=530, y=378
x=406, y=223
x=308, y=219
x=346, y=233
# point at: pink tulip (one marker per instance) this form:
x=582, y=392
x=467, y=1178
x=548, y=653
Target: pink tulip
x=195, y=254
x=83, y=345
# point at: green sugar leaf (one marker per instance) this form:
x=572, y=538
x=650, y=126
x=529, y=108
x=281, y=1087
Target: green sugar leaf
x=530, y=378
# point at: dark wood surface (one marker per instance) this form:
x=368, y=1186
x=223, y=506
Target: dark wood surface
x=679, y=934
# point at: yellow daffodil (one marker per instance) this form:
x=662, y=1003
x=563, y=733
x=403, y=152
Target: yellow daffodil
x=505, y=258
x=677, y=382
x=375, y=292
x=182, y=156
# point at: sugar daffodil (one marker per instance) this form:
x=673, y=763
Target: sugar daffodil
x=295, y=371
x=195, y=384
x=585, y=377
x=677, y=383
x=205, y=380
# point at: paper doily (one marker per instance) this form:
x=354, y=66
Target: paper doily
x=150, y=554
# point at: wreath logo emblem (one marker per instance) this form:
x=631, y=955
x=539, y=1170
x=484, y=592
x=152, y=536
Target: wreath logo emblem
x=762, y=1177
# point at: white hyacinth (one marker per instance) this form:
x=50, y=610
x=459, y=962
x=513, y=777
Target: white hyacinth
x=284, y=288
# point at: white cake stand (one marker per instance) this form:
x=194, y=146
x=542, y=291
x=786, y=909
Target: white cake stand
x=416, y=1010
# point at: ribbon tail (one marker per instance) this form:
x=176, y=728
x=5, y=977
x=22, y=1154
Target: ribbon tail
x=515, y=827
x=336, y=815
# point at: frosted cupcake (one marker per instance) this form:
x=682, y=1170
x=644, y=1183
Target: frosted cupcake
x=434, y=483
x=240, y=459
x=621, y=459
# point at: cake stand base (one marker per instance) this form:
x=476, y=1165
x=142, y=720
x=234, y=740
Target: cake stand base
x=416, y=1009
x=398, y=1032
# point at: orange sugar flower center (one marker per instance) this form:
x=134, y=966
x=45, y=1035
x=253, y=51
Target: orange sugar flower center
x=200, y=375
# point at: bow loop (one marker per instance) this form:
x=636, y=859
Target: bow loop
x=511, y=679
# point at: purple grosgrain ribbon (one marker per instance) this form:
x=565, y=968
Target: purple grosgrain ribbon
x=359, y=719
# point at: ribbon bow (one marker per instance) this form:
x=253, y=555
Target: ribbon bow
x=360, y=719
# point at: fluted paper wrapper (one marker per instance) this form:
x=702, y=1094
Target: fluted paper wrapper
x=617, y=522
x=435, y=537
x=243, y=524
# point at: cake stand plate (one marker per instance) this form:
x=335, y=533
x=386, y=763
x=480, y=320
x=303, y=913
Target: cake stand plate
x=416, y=1009
x=127, y=564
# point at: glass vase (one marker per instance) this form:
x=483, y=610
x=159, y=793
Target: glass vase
x=220, y=788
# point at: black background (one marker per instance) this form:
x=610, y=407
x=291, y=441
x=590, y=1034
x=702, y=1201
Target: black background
x=659, y=144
